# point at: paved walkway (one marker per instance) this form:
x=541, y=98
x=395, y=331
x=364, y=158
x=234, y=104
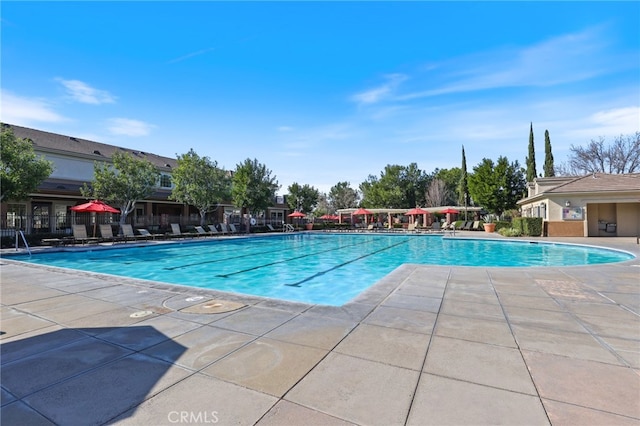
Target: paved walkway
x=426, y=345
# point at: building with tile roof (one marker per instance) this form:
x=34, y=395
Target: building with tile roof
x=73, y=158
x=596, y=205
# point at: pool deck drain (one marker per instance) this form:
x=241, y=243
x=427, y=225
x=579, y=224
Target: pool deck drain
x=426, y=345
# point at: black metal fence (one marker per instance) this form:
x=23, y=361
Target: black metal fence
x=60, y=224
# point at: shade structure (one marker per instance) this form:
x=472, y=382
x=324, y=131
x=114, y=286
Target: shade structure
x=449, y=211
x=297, y=214
x=94, y=206
x=416, y=211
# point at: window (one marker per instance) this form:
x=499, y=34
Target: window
x=16, y=216
x=165, y=181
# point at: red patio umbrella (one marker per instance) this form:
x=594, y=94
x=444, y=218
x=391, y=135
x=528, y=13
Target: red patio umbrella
x=94, y=206
x=449, y=210
x=362, y=212
x=297, y=215
x=416, y=211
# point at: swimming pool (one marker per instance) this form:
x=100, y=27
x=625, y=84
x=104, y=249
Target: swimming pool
x=327, y=269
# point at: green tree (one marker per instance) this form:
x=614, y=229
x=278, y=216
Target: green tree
x=199, y=182
x=303, y=198
x=414, y=183
x=463, y=187
x=122, y=183
x=497, y=187
x=252, y=187
x=21, y=171
x=549, y=170
x=342, y=196
x=397, y=187
x=531, y=158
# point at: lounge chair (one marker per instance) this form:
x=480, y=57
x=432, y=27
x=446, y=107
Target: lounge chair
x=202, y=232
x=233, y=228
x=176, y=232
x=223, y=228
x=450, y=229
x=476, y=225
x=213, y=230
x=127, y=232
x=467, y=226
x=80, y=235
x=411, y=227
x=106, y=232
x=148, y=235
x=436, y=227
x=271, y=228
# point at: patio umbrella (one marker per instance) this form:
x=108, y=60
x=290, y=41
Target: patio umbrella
x=297, y=215
x=416, y=212
x=362, y=212
x=449, y=210
x=94, y=206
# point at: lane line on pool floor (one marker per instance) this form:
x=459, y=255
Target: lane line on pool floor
x=291, y=259
x=298, y=284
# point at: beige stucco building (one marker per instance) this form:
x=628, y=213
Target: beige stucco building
x=597, y=205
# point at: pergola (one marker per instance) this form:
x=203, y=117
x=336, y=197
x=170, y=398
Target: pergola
x=391, y=212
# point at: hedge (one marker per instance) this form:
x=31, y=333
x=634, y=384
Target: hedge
x=529, y=226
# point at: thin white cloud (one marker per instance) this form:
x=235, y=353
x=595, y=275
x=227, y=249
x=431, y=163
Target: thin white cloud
x=626, y=119
x=564, y=59
x=81, y=92
x=380, y=93
x=191, y=55
x=24, y=111
x=129, y=127
x=285, y=129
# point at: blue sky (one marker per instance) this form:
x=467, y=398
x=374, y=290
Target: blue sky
x=325, y=92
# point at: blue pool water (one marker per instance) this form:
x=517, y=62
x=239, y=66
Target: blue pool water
x=325, y=269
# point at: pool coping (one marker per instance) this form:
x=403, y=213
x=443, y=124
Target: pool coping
x=546, y=386
x=375, y=293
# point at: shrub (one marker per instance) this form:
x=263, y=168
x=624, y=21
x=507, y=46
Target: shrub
x=501, y=224
x=510, y=232
x=530, y=226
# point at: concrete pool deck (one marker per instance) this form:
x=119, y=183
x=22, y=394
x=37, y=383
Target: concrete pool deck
x=426, y=345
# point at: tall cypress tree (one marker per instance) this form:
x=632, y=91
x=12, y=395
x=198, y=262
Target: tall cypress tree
x=463, y=187
x=548, y=156
x=531, y=159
